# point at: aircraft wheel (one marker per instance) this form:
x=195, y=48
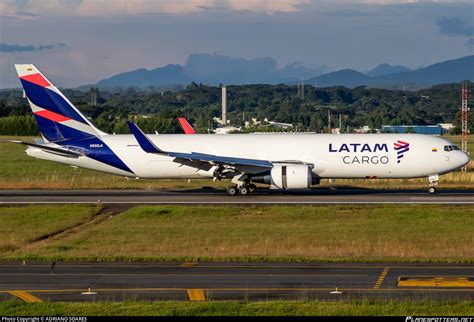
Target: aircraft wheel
x=252, y=188
x=232, y=190
x=244, y=190
x=432, y=190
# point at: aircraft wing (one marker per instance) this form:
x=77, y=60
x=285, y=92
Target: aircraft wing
x=200, y=160
x=48, y=148
x=221, y=159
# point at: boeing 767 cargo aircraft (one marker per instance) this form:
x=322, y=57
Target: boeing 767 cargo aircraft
x=281, y=161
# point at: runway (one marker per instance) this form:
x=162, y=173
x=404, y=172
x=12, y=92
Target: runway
x=68, y=281
x=211, y=196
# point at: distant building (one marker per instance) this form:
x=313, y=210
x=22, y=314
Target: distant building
x=279, y=125
x=94, y=96
x=363, y=129
x=226, y=129
x=252, y=122
x=419, y=129
x=446, y=126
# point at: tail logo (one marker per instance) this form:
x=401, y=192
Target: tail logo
x=401, y=147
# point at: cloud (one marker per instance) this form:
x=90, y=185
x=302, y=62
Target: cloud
x=27, y=14
x=6, y=48
x=454, y=26
x=470, y=43
x=106, y=8
x=107, y=37
x=134, y=7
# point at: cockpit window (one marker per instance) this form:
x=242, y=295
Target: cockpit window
x=451, y=148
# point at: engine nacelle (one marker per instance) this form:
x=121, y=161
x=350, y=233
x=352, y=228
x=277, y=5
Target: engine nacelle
x=289, y=176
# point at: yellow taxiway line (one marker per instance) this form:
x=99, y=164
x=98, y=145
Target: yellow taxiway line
x=379, y=281
x=435, y=281
x=25, y=296
x=196, y=294
x=189, y=264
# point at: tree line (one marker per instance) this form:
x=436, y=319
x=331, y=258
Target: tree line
x=158, y=111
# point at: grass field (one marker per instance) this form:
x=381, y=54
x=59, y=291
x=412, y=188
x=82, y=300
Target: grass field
x=406, y=233
x=19, y=171
x=21, y=226
x=272, y=308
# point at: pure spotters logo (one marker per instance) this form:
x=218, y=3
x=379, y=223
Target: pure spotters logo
x=401, y=147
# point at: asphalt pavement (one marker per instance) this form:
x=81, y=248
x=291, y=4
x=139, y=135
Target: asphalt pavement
x=119, y=281
x=214, y=196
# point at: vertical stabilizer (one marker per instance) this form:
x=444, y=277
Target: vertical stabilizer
x=58, y=119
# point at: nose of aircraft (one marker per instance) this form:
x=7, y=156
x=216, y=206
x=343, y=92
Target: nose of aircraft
x=462, y=158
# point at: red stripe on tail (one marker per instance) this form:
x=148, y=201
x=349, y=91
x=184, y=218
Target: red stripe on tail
x=52, y=116
x=36, y=79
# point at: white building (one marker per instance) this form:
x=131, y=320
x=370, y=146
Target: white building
x=446, y=126
x=280, y=125
x=226, y=129
x=363, y=129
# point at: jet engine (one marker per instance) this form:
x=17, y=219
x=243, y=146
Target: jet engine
x=288, y=176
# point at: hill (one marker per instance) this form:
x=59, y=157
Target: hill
x=450, y=71
x=346, y=77
x=387, y=69
x=169, y=74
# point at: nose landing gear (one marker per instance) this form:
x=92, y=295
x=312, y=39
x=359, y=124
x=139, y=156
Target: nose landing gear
x=433, y=179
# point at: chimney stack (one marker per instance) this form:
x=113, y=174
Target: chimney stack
x=224, y=106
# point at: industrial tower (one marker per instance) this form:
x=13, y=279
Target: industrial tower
x=464, y=128
x=224, y=105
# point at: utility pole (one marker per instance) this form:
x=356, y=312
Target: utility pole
x=464, y=127
x=302, y=90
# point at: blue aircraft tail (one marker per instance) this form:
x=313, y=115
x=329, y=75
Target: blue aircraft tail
x=58, y=119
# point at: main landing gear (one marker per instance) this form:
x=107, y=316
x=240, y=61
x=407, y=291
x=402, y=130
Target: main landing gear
x=433, y=179
x=243, y=190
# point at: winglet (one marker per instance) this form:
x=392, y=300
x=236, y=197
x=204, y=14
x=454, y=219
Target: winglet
x=142, y=140
x=187, y=128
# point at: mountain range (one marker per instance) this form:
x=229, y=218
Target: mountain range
x=450, y=71
x=217, y=69
x=214, y=69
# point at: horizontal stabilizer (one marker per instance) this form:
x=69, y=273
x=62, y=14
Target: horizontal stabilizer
x=142, y=139
x=48, y=148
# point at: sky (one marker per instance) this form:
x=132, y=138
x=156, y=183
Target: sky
x=76, y=42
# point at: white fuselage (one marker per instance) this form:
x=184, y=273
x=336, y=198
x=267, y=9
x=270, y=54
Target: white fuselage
x=333, y=155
